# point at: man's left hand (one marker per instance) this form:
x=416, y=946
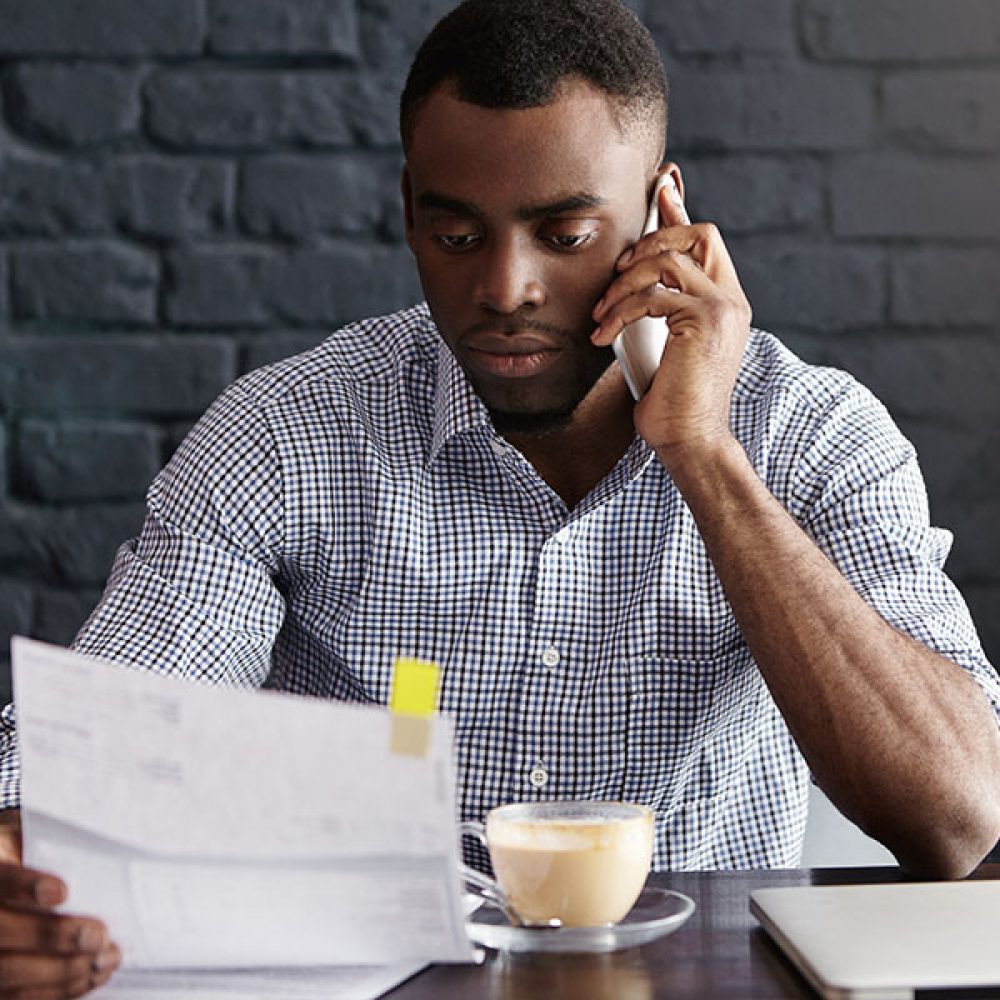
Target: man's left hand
x=683, y=273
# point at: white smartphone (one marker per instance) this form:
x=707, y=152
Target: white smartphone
x=639, y=347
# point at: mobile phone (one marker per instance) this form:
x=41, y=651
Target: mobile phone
x=639, y=346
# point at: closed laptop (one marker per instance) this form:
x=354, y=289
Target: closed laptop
x=884, y=942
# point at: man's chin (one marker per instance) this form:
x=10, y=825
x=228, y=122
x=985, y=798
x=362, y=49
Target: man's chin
x=530, y=424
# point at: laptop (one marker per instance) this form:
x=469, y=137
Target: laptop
x=884, y=942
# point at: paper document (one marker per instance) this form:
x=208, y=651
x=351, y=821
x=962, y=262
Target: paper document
x=320, y=983
x=222, y=827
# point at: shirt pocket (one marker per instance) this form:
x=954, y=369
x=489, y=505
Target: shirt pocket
x=687, y=718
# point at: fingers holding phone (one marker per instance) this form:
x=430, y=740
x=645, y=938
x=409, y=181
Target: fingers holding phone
x=679, y=321
x=639, y=345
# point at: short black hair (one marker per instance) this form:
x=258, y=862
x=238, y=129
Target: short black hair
x=514, y=54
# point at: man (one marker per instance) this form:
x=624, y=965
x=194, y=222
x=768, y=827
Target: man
x=696, y=616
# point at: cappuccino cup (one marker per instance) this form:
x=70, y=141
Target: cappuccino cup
x=568, y=864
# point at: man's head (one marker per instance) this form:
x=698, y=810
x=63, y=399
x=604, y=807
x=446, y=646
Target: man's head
x=533, y=130
x=514, y=53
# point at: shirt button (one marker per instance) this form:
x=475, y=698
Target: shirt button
x=551, y=657
x=539, y=777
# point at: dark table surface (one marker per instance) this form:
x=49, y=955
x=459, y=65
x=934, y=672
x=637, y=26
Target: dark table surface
x=720, y=952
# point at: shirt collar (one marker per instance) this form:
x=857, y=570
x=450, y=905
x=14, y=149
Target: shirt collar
x=457, y=408
x=636, y=460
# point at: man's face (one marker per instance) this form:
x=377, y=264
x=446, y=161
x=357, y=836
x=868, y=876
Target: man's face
x=516, y=218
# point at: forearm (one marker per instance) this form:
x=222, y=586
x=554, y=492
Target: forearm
x=900, y=738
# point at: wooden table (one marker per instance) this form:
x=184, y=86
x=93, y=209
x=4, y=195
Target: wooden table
x=720, y=952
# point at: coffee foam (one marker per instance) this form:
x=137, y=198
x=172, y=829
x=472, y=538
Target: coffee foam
x=564, y=834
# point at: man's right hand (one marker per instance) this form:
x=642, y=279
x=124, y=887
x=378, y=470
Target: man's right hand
x=45, y=955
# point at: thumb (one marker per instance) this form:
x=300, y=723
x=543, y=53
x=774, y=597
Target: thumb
x=10, y=836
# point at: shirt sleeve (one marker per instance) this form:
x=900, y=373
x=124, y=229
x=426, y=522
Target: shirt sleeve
x=194, y=595
x=859, y=493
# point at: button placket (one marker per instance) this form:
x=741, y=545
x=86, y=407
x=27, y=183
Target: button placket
x=543, y=682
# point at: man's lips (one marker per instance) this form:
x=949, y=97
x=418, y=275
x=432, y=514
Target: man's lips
x=510, y=355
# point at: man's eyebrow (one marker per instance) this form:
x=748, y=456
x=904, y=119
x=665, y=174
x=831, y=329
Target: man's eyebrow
x=571, y=203
x=455, y=206
x=432, y=199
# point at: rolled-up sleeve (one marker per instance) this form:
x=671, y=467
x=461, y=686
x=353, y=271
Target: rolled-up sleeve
x=194, y=595
x=860, y=495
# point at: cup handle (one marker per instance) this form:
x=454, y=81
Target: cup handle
x=476, y=882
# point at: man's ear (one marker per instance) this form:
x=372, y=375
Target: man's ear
x=679, y=179
x=406, y=188
x=675, y=171
x=672, y=196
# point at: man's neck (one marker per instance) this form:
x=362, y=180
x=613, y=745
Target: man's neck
x=575, y=457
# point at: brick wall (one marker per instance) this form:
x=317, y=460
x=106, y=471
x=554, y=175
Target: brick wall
x=191, y=188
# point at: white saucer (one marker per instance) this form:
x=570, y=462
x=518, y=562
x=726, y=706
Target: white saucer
x=657, y=912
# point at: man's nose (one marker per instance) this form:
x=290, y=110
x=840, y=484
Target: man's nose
x=509, y=279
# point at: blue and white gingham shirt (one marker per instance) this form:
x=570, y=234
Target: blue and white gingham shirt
x=354, y=503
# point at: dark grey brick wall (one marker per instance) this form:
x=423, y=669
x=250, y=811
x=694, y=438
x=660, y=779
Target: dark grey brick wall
x=191, y=188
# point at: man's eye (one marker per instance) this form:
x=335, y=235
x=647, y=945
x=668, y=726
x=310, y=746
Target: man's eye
x=570, y=241
x=462, y=241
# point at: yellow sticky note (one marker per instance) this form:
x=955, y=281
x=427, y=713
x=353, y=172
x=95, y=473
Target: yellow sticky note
x=412, y=702
x=414, y=687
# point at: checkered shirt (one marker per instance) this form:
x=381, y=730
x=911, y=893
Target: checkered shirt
x=343, y=507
